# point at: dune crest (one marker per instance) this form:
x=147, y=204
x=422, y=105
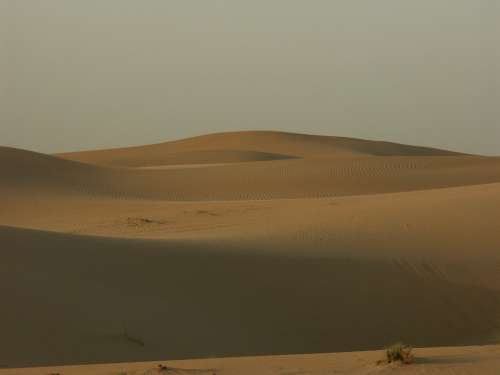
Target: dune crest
x=281, y=143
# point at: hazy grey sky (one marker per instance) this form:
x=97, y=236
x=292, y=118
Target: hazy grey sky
x=81, y=74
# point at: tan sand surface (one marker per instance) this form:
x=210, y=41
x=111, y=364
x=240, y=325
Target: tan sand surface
x=295, y=178
x=342, y=245
x=475, y=360
x=247, y=146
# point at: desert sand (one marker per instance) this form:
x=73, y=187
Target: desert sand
x=247, y=244
x=454, y=360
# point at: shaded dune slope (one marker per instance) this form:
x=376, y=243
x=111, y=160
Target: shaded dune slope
x=247, y=146
x=31, y=171
x=99, y=299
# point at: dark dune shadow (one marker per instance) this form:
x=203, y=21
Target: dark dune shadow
x=180, y=300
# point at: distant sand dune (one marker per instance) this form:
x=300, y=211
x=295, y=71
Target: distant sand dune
x=158, y=157
x=295, y=178
x=212, y=149
x=286, y=243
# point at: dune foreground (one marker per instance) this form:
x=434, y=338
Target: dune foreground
x=472, y=360
x=246, y=244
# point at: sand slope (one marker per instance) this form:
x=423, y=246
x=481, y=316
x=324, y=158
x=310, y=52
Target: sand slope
x=106, y=300
x=217, y=145
x=295, y=178
x=308, y=244
x=459, y=360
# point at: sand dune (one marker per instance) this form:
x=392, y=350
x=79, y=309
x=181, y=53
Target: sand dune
x=119, y=300
x=216, y=146
x=285, y=244
x=484, y=360
x=295, y=178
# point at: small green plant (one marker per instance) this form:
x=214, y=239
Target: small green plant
x=398, y=353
